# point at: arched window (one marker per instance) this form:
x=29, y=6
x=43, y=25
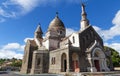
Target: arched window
x=59, y=32
x=53, y=60
x=73, y=39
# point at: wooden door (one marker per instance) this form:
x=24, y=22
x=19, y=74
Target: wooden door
x=96, y=62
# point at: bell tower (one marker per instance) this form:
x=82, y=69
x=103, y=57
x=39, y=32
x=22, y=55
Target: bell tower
x=84, y=21
x=38, y=36
x=38, y=32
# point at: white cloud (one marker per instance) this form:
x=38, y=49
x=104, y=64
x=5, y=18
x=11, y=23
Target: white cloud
x=13, y=46
x=69, y=31
x=25, y=6
x=10, y=54
x=15, y=8
x=97, y=28
x=113, y=31
x=115, y=46
x=6, y=14
x=20, y=7
x=25, y=40
x=22, y=47
x=12, y=50
x=116, y=20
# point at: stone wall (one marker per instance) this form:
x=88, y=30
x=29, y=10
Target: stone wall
x=40, y=62
x=55, y=65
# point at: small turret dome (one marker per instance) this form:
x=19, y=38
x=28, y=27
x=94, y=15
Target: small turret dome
x=38, y=32
x=56, y=28
x=56, y=24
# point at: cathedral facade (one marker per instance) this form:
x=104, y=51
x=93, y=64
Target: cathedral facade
x=82, y=51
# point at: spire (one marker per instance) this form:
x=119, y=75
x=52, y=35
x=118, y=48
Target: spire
x=83, y=12
x=38, y=32
x=84, y=21
x=57, y=14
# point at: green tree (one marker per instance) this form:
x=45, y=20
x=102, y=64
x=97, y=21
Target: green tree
x=2, y=61
x=17, y=63
x=115, y=56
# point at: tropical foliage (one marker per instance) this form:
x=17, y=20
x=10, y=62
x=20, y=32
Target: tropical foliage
x=115, y=56
x=14, y=62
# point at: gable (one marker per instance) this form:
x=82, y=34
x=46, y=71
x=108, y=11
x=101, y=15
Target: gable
x=88, y=36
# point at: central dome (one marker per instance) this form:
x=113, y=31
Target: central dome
x=56, y=24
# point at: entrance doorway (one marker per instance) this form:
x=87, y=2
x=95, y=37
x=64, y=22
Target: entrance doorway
x=75, y=65
x=63, y=63
x=96, y=62
x=99, y=60
x=65, y=66
x=75, y=62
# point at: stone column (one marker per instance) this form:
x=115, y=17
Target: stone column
x=67, y=59
x=33, y=63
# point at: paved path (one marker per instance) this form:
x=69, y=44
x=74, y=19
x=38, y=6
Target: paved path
x=8, y=74
x=17, y=74
x=112, y=73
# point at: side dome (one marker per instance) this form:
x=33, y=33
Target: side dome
x=56, y=24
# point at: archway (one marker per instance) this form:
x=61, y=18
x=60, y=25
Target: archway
x=75, y=62
x=63, y=62
x=99, y=60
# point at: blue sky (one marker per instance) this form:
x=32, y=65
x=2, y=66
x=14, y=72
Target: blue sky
x=19, y=19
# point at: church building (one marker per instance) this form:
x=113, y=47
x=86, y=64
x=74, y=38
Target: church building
x=82, y=51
